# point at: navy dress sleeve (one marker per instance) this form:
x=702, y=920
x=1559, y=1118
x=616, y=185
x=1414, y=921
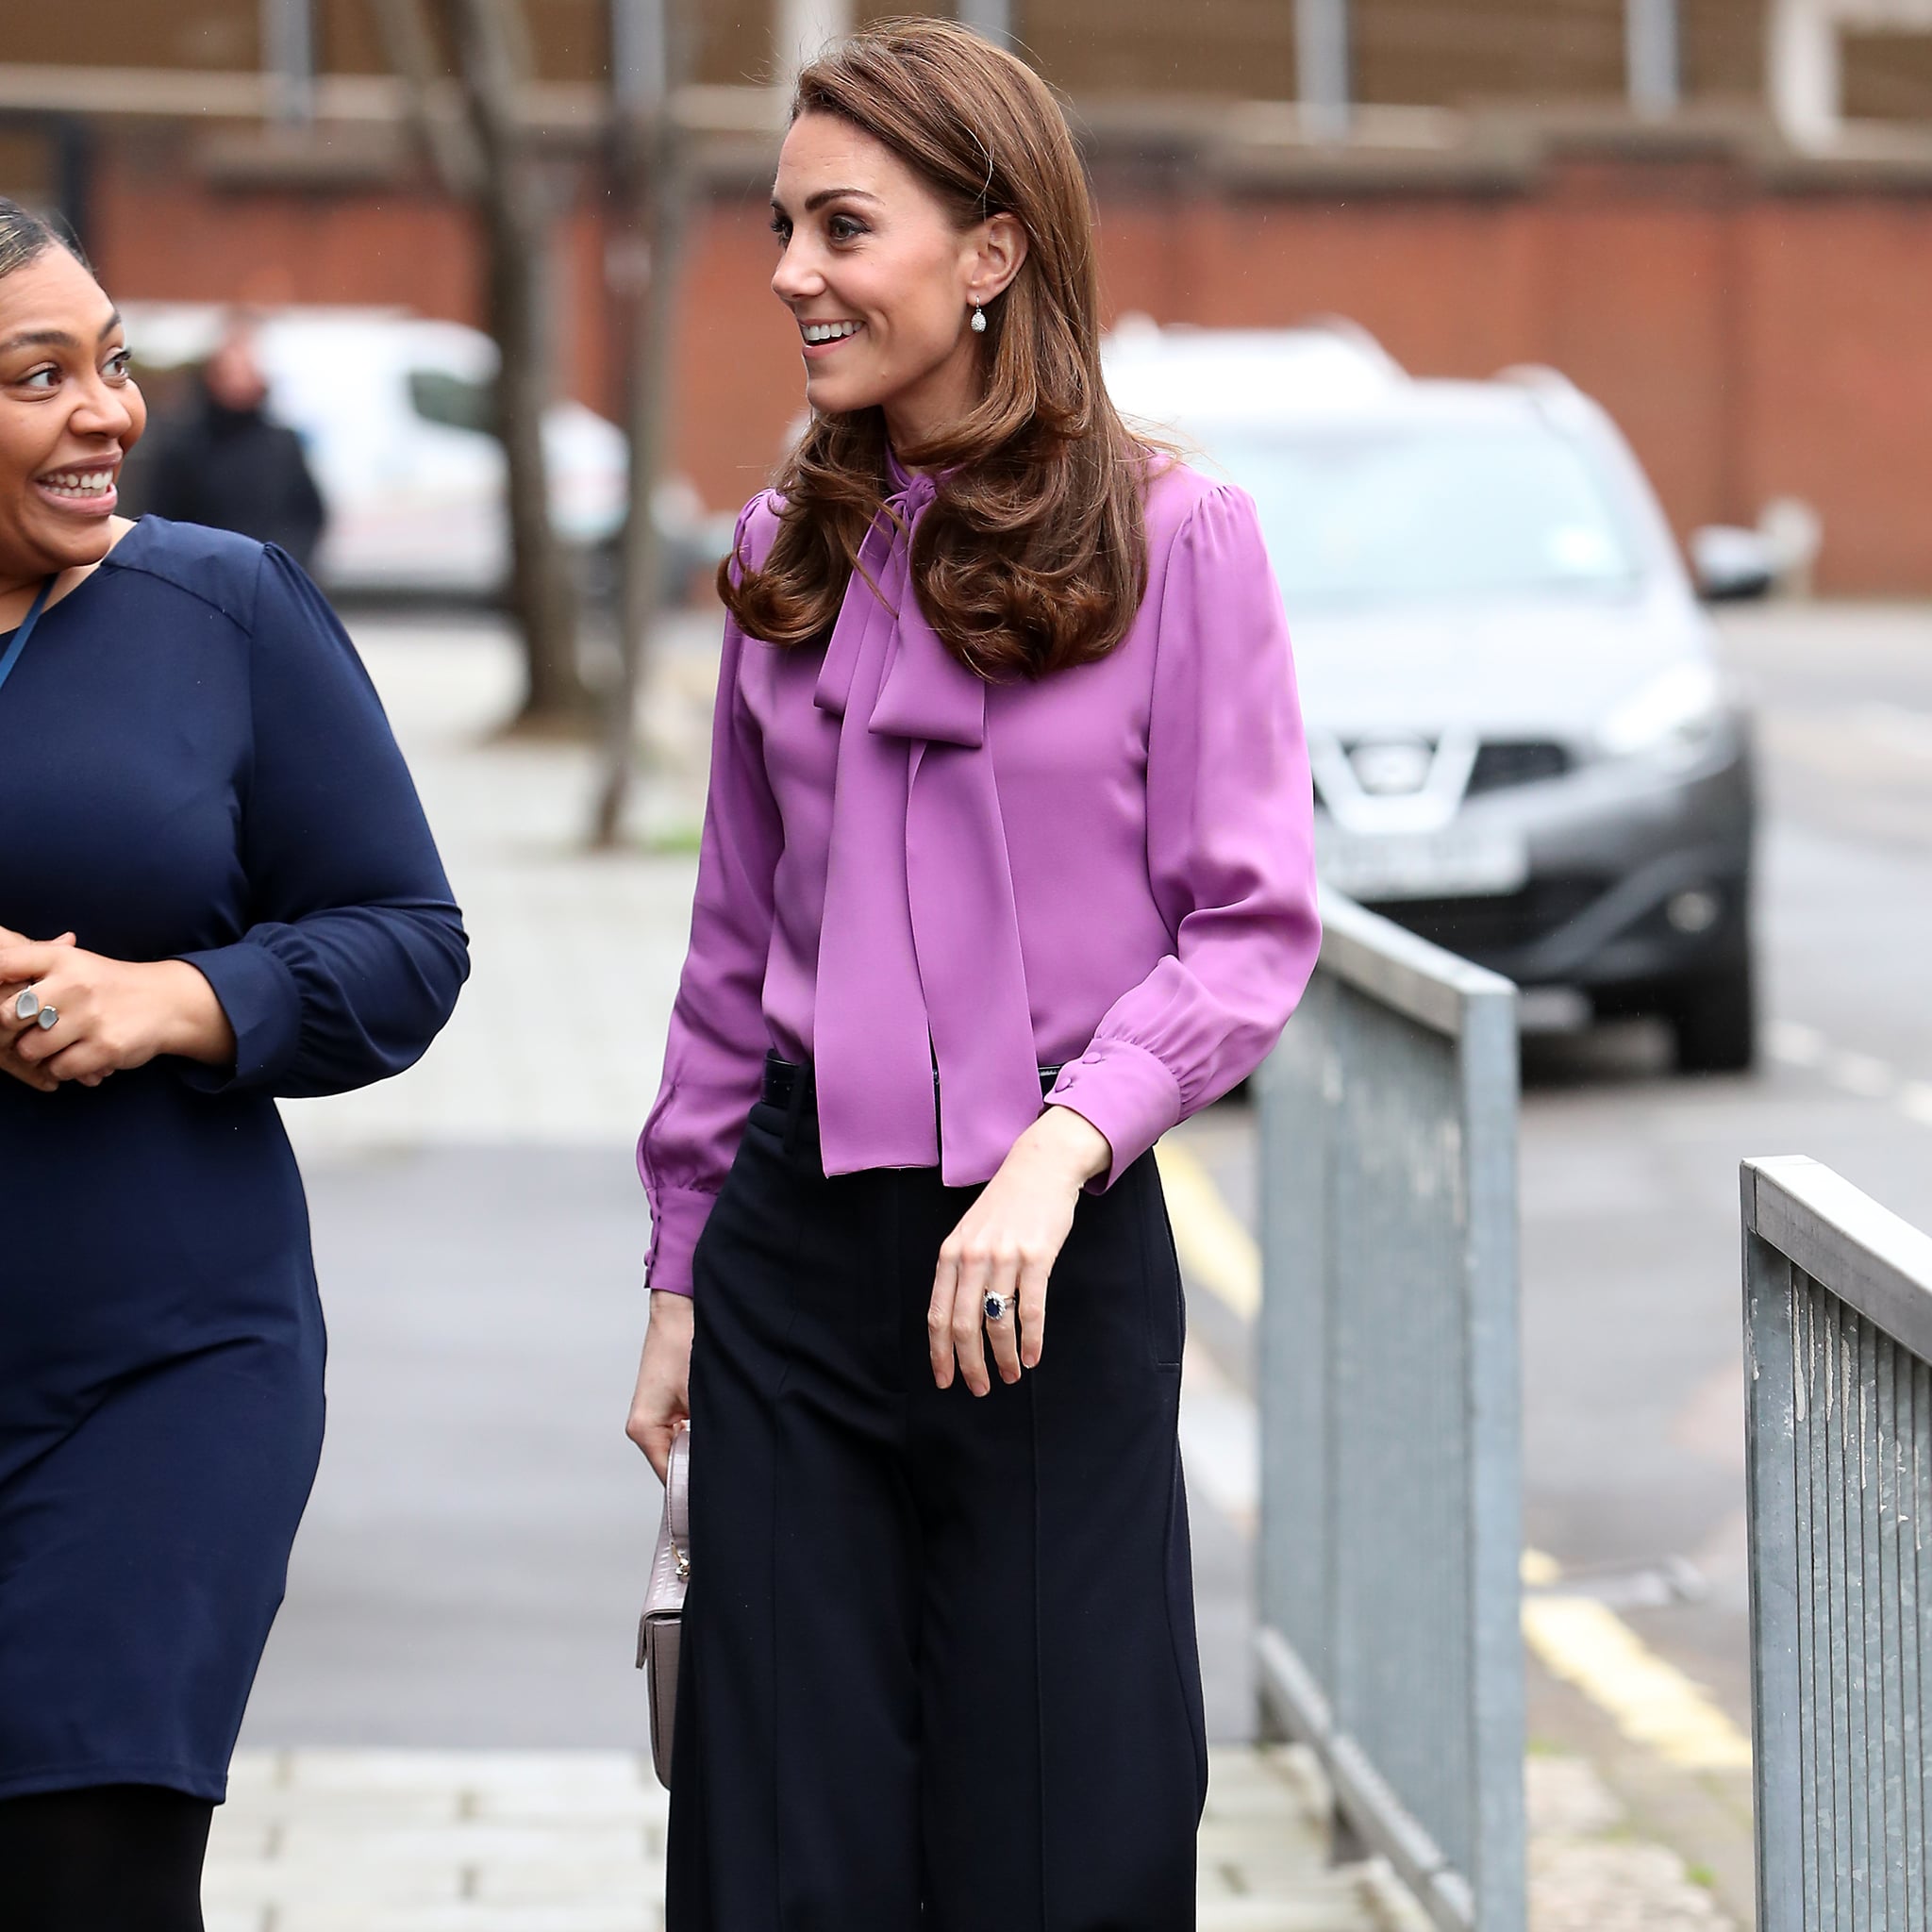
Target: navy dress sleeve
x=354, y=950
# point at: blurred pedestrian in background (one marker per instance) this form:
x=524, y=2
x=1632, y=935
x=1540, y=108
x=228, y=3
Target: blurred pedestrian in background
x=224, y=463
x=217, y=886
x=1007, y=868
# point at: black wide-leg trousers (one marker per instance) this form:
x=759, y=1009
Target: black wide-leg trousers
x=939, y=1670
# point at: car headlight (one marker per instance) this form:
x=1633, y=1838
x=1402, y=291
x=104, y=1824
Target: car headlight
x=1673, y=720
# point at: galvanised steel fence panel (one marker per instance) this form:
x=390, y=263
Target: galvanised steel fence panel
x=1391, y=1507
x=1837, y=1339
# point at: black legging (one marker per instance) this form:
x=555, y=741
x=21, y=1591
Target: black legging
x=106, y=1858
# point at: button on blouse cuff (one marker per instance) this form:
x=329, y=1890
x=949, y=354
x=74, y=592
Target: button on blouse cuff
x=677, y=1219
x=1130, y=1095
x=263, y=1005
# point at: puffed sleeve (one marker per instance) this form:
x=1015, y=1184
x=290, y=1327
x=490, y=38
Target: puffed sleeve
x=356, y=950
x=715, y=1053
x=1230, y=845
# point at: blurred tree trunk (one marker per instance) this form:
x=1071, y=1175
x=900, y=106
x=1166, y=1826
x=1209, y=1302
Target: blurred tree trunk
x=653, y=181
x=484, y=158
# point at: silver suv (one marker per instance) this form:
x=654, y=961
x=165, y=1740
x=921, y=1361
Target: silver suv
x=1523, y=746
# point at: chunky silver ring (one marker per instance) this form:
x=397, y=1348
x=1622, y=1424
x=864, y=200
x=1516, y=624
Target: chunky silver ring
x=50, y=1018
x=26, y=1003
x=997, y=1307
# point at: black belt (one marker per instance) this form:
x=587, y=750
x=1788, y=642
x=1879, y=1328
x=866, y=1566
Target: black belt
x=785, y=1080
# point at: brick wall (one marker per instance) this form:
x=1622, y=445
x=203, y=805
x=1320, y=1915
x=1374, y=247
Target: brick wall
x=1408, y=51
x=1752, y=339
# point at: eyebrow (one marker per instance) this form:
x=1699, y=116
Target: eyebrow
x=56, y=338
x=814, y=202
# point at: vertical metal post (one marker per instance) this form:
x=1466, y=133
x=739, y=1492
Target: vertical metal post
x=1323, y=69
x=1804, y=79
x=1771, y=1372
x=992, y=20
x=1489, y=1080
x=804, y=26
x=74, y=159
x=1651, y=57
x=1390, y=1638
x=636, y=56
x=288, y=59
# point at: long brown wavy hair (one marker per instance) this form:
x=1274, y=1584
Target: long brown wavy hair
x=1033, y=555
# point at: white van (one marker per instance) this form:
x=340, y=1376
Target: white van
x=394, y=413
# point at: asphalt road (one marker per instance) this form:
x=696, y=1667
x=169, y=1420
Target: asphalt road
x=1633, y=1434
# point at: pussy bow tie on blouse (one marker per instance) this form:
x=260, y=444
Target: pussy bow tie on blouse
x=920, y=928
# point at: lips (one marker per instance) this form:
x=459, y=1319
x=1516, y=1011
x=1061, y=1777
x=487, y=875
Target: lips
x=836, y=329
x=85, y=488
x=826, y=338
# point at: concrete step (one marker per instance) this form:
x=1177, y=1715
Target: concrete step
x=404, y=1841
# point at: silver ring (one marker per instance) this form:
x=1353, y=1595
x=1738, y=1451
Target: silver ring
x=998, y=1306
x=50, y=1018
x=26, y=1003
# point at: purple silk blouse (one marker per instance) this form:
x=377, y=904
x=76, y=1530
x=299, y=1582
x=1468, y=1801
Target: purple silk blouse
x=905, y=867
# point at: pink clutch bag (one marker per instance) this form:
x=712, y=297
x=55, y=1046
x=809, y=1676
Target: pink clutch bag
x=658, y=1628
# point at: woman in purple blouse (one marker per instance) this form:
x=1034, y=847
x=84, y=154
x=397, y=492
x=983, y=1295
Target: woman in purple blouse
x=1007, y=869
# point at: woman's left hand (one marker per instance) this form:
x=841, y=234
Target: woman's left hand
x=1007, y=1244
x=10, y=1062
x=113, y=1014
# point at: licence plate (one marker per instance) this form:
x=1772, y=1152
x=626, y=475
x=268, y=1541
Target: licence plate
x=1456, y=862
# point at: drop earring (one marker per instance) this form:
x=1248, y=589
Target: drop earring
x=979, y=316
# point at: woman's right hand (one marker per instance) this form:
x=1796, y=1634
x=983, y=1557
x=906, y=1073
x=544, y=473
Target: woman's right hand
x=661, y=1405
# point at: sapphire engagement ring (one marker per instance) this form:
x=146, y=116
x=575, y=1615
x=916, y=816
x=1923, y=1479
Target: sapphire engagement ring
x=998, y=1306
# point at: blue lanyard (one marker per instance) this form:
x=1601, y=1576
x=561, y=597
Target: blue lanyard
x=26, y=631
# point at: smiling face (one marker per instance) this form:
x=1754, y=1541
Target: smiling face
x=69, y=413
x=881, y=279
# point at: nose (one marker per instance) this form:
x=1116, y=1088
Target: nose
x=797, y=278
x=102, y=409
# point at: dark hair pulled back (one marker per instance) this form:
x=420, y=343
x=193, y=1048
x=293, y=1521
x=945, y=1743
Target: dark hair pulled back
x=25, y=237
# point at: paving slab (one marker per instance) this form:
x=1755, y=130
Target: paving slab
x=439, y=1841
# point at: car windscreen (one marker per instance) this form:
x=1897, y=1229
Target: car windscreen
x=1393, y=514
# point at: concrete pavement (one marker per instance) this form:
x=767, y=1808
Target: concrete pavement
x=417, y=1840
x=400, y=1841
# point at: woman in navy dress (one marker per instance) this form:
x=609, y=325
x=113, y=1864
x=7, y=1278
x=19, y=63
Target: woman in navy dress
x=216, y=886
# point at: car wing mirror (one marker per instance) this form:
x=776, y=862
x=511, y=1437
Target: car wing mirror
x=1729, y=563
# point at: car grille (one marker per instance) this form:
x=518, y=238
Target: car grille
x=1489, y=928
x=1503, y=764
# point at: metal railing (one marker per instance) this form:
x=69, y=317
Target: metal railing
x=1391, y=1483
x=1837, y=1340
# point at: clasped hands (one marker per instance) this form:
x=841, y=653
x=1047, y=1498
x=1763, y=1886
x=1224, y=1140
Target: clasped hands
x=114, y=1014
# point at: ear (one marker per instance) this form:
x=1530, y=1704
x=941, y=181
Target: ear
x=999, y=248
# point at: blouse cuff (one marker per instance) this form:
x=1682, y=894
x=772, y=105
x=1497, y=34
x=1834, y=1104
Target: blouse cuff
x=1127, y=1093
x=677, y=1219
x=263, y=1005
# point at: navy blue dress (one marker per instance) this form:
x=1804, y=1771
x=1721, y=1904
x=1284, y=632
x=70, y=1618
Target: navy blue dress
x=193, y=765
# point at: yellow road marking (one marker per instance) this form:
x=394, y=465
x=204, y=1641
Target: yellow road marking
x=1654, y=1704
x=1217, y=1252
x=1540, y=1572
x=1581, y=1640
